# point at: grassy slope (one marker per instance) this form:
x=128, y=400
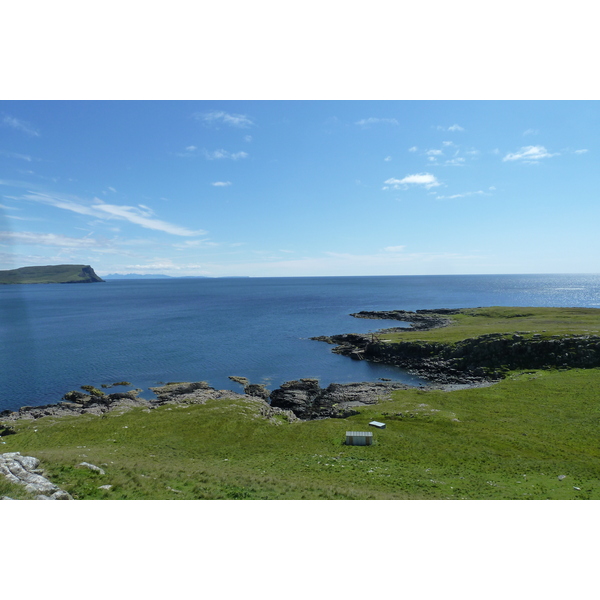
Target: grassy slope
x=545, y=321
x=511, y=440
x=46, y=274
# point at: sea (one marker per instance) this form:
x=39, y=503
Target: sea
x=55, y=338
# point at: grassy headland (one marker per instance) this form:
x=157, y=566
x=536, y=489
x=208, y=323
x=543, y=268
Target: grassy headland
x=533, y=435
x=527, y=321
x=50, y=274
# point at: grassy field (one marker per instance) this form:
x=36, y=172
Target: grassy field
x=511, y=440
x=545, y=321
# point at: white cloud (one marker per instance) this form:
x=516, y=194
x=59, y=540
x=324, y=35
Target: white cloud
x=394, y=249
x=531, y=132
x=448, y=143
x=112, y=189
x=413, y=149
x=582, y=151
x=141, y=215
x=387, y=159
x=426, y=179
x=221, y=183
x=45, y=239
x=247, y=138
x=219, y=154
x=191, y=148
x=20, y=125
x=529, y=154
x=434, y=153
x=375, y=121
x=233, y=120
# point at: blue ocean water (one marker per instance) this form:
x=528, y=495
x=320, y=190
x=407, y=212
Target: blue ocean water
x=55, y=338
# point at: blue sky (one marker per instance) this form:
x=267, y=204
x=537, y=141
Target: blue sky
x=301, y=188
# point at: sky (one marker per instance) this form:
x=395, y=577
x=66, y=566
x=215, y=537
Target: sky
x=301, y=188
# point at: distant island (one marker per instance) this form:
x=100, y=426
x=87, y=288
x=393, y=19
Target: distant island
x=161, y=276
x=136, y=276
x=50, y=274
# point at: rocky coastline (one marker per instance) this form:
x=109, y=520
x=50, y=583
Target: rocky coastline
x=473, y=361
x=296, y=400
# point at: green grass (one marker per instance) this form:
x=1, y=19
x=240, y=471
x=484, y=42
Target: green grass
x=508, y=441
x=474, y=322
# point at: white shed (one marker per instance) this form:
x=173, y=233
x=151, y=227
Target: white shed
x=359, y=438
x=377, y=424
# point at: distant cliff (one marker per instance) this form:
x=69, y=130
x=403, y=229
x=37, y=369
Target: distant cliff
x=50, y=274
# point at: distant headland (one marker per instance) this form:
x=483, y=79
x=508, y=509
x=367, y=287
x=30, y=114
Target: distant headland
x=50, y=274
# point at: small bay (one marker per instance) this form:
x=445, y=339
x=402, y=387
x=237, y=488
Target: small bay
x=55, y=338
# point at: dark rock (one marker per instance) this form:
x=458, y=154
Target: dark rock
x=257, y=390
x=76, y=396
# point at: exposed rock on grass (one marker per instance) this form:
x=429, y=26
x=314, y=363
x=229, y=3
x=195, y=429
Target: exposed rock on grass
x=307, y=400
x=24, y=470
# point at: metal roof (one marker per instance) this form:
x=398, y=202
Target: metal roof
x=377, y=424
x=359, y=433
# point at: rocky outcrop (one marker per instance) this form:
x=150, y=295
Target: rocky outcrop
x=307, y=400
x=251, y=389
x=419, y=320
x=25, y=471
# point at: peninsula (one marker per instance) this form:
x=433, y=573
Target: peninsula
x=50, y=274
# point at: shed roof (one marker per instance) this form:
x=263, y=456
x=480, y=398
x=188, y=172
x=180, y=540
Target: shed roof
x=377, y=424
x=359, y=433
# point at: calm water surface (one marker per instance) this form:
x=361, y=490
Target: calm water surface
x=55, y=338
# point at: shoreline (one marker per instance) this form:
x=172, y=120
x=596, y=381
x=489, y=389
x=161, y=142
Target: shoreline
x=301, y=399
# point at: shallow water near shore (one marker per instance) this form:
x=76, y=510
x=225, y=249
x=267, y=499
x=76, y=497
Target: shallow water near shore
x=55, y=338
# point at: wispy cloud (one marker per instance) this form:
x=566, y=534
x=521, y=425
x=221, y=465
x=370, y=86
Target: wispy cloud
x=221, y=117
x=464, y=195
x=46, y=239
x=454, y=127
x=16, y=155
x=426, y=179
x=394, y=249
x=139, y=215
x=529, y=154
x=458, y=161
x=387, y=159
x=23, y=126
x=221, y=183
x=531, y=132
x=582, y=151
x=219, y=154
x=413, y=149
x=191, y=148
x=376, y=121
